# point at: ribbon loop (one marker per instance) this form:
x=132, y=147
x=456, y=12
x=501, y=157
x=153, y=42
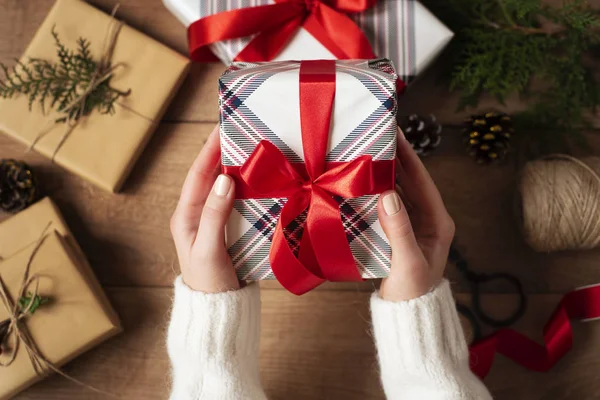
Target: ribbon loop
x=269, y=173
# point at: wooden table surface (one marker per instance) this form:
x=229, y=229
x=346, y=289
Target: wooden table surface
x=317, y=346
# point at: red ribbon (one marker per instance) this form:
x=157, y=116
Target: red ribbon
x=275, y=24
x=324, y=250
x=581, y=304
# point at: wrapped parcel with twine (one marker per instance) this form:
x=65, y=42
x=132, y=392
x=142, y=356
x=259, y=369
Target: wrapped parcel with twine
x=99, y=146
x=52, y=308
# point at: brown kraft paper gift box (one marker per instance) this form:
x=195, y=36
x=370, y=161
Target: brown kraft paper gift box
x=78, y=316
x=102, y=148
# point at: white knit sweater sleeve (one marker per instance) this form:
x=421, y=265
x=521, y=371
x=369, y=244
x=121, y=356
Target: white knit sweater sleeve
x=422, y=349
x=213, y=344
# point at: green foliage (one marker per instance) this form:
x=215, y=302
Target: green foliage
x=60, y=85
x=502, y=45
x=493, y=63
x=33, y=302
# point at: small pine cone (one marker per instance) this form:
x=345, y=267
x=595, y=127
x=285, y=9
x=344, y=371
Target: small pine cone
x=422, y=132
x=18, y=188
x=487, y=136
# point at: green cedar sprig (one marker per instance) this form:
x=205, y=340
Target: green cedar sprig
x=32, y=301
x=502, y=45
x=56, y=85
x=36, y=302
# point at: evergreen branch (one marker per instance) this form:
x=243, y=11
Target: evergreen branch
x=57, y=85
x=501, y=45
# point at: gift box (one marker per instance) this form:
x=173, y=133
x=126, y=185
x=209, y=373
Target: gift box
x=401, y=30
x=77, y=316
x=270, y=113
x=103, y=147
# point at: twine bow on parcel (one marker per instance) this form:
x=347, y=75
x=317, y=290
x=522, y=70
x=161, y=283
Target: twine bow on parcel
x=104, y=71
x=13, y=333
x=12, y=327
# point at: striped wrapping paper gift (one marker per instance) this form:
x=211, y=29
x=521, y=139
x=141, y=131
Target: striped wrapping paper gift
x=260, y=102
x=403, y=31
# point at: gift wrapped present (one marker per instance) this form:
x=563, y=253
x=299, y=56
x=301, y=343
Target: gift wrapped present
x=310, y=145
x=403, y=31
x=104, y=145
x=42, y=267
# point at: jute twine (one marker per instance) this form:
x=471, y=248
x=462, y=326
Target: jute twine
x=560, y=203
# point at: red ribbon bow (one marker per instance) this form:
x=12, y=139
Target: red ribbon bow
x=324, y=250
x=581, y=304
x=275, y=24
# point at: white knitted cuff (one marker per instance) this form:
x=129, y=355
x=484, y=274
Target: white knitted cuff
x=213, y=344
x=211, y=327
x=422, y=334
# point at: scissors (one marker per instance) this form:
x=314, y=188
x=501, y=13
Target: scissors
x=475, y=280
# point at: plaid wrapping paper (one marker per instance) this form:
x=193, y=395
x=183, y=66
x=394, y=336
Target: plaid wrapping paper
x=403, y=31
x=261, y=102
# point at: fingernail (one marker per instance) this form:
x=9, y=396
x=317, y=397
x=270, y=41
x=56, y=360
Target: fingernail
x=222, y=185
x=391, y=203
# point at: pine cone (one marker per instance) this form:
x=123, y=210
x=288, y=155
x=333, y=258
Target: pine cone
x=423, y=133
x=487, y=136
x=18, y=188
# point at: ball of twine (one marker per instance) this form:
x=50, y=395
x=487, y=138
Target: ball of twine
x=560, y=203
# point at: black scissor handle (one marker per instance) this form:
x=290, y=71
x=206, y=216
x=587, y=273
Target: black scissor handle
x=476, y=280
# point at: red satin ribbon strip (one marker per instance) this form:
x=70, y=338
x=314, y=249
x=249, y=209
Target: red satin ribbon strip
x=382, y=174
x=324, y=250
x=580, y=304
x=275, y=24
x=317, y=94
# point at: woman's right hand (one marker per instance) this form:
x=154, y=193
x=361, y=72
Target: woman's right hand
x=419, y=229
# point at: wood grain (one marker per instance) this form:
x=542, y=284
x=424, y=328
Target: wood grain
x=318, y=346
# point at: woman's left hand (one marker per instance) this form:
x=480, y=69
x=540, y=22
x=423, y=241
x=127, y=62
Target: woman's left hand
x=419, y=229
x=198, y=224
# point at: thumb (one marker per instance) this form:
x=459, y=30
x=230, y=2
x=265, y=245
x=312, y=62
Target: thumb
x=211, y=270
x=216, y=211
x=409, y=266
